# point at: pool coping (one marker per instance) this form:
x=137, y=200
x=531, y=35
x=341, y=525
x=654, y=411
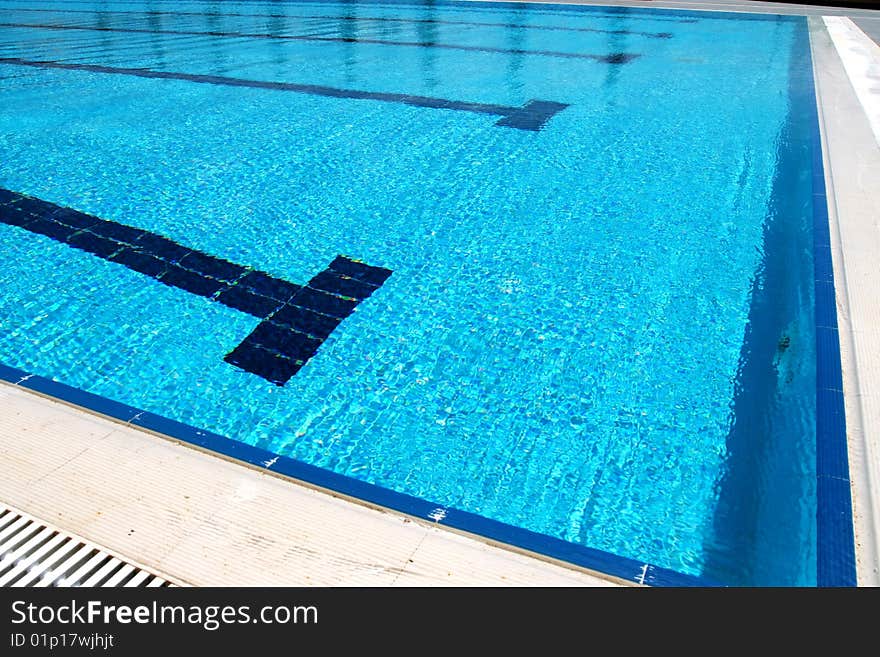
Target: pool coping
x=542, y=546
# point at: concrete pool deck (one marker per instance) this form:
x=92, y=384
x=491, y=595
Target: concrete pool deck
x=204, y=520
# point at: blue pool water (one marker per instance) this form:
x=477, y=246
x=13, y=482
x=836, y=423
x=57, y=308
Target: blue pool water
x=599, y=325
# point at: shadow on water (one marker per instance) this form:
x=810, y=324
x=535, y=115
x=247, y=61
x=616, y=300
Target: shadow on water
x=213, y=24
x=154, y=21
x=764, y=528
x=347, y=29
x=277, y=25
x=618, y=42
x=427, y=34
x=516, y=42
x=102, y=22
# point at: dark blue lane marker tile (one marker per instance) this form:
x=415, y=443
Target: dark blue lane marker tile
x=114, y=231
x=321, y=302
x=240, y=298
x=306, y=321
x=267, y=286
x=297, y=329
x=271, y=366
x=211, y=266
x=337, y=283
x=359, y=270
x=29, y=205
x=51, y=229
x=617, y=58
x=103, y=248
x=295, y=320
x=140, y=262
x=7, y=197
x=542, y=110
x=161, y=247
x=190, y=281
x=12, y=216
x=290, y=344
x=75, y=219
x=533, y=115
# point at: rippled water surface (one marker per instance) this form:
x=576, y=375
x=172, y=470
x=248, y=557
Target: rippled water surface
x=600, y=330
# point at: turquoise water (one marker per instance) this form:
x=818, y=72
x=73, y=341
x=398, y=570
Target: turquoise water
x=601, y=331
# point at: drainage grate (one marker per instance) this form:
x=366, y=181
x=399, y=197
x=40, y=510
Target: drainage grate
x=33, y=553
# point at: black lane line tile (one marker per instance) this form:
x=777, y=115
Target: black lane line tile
x=266, y=285
x=53, y=229
x=306, y=321
x=118, y=232
x=33, y=206
x=337, y=283
x=190, y=281
x=87, y=241
x=321, y=302
x=359, y=270
x=235, y=296
x=140, y=262
x=288, y=343
x=211, y=266
x=162, y=248
x=533, y=115
x=9, y=214
x=76, y=219
x=618, y=58
x=7, y=196
x=312, y=37
x=316, y=90
x=270, y=366
x=295, y=320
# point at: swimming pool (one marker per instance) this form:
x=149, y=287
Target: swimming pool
x=566, y=275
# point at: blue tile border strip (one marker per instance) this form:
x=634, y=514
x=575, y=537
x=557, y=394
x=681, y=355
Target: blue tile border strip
x=607, y=563
x=532, y=116
x=836, y=565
